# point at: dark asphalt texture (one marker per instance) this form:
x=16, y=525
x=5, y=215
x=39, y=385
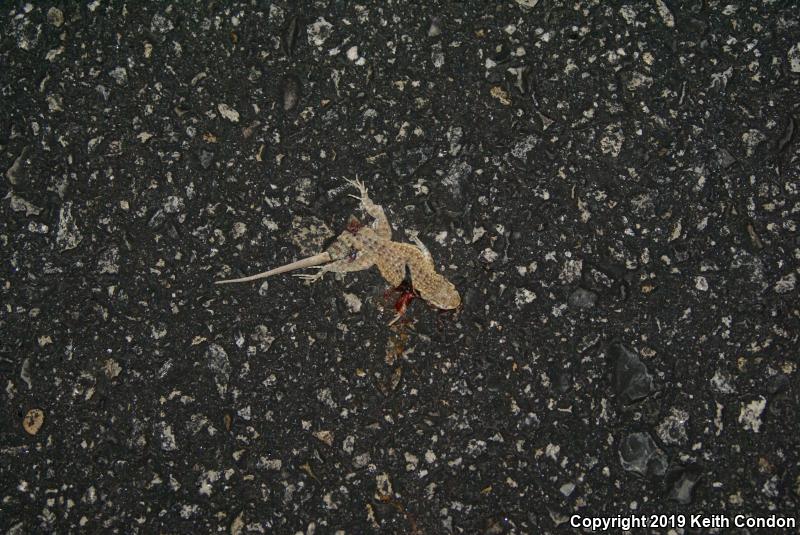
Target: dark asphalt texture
x=613, y=188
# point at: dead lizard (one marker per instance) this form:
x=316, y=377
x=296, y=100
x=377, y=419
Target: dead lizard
x=361, y=246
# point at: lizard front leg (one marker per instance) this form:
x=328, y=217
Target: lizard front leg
x=382, y=227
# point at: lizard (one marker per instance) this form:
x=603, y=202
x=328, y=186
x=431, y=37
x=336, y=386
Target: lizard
x=362, y=246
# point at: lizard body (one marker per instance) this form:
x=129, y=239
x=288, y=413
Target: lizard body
x=361, y=247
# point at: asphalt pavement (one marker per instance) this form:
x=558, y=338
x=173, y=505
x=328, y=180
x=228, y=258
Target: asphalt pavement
x=613, y=188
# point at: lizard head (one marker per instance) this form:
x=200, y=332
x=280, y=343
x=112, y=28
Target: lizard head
x=443, y=295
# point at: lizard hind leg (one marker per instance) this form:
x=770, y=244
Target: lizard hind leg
x=394, y=274
x=311, y=278
x=344, y=265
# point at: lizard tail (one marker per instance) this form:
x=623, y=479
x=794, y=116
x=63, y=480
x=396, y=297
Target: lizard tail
x=304, y=263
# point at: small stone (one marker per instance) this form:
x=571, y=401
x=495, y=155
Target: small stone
x=220, y=366
x=488, y=255
x=270, y=464
x=434, y=30
x=112, y=368
x=157, y=219
x=18, y=204
x=238, y=524
x=352, y=53
x=263, y=338
x=108, y=262
x=166, y=437
x=777, y=383
x=682, y=253
x=318, y=32
x=721, y=382
x=524, y=296
x=55, y=17
x=263, y=290
x=725, y=158
x=786, y=284
x=206, y=158
x=38, y=228
x=457, y=176
x=611, y=143
x=27, y=33
x=353, y=303
x=33, y=421
x=666, y=14
x=291, y=92
x=360, y=461
x=632, y=382
x=563, y=382
x=383, y=485
x=701, y=283
x=752, y=139
x=793, y=55
x=67, y=237
x=239, y=229
x=750, y=414
x=454, y=136
x=437, y=55
x=325, y=437
x=672, y=429
x=500, y=94
x=12, y=172
x=55, y=103
x=525, y=146
x=412, y=461
x=638, y=453
x=25, y=373
x=173, y=204
x=683, y=486
x=582, y=298
x=407, y=163
x=228, y=112
x=120, y=75
x=160, y=24
x=571, y=271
